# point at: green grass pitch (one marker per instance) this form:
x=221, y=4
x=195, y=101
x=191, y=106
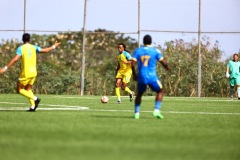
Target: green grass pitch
x=82, y=128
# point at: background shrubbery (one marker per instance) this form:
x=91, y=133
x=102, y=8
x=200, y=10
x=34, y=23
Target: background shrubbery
x=59, y=72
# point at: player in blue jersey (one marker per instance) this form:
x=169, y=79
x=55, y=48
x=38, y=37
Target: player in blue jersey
x=27, y=54
x=123, y=72
x=233, y=73
x=147, y=57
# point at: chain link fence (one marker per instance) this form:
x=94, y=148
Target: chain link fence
x=213, y=22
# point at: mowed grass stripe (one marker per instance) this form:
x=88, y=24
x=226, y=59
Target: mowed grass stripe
x=75, y=108
x=192, y=129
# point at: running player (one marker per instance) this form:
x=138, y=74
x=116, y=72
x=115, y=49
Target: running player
x=147, y=58
x=123, y=72
x=27, y=54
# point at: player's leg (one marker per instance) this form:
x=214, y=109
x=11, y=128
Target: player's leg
x=238, y=91
x=126, y=79
x=23, y=87
x=238, y=87
x=21, y=90
x=232, y=84
x=231, y=92
x=34, y=102
x=158, y=88
x=117, y=89
x=158, y=104
x=125, y=88
x=138, y=100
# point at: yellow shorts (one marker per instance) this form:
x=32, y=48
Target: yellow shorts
x=26, y=81
x=125, y=77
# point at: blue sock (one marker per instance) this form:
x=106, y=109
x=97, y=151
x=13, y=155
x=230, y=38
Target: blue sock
x=137, y=108
x=158, y=105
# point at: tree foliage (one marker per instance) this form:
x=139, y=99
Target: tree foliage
x=59, y=71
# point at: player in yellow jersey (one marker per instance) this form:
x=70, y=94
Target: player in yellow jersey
x=123, y=72
x=27, y=54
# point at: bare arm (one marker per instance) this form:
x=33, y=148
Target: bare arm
x=227, y=73
x=12, y=62
x=134, y=71
x=48, y=49
x=128, y=62
x=227, y=70
x=165, y=64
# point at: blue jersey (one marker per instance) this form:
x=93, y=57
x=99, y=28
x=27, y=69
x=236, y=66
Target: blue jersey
x=147, y=58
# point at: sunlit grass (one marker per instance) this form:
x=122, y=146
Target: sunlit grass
x=193, y=128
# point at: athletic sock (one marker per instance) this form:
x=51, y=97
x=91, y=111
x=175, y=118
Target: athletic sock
x=137, y=107
x=238, y=91
x=158, y=105
x=31, y=100
x=128, y=90
x=117, y=90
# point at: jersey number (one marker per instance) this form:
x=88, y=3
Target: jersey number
x=145, y=60
x=29, y=54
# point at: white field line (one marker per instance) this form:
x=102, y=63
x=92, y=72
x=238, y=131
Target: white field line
x=173, y=112
x=165, y=98
x=61, y=97
x=208, y=100
x=43, y=109
x=68, y=97
x=65, y=107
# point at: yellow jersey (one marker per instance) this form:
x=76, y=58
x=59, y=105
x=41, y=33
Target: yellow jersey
x=29, y=59
x=124, y=57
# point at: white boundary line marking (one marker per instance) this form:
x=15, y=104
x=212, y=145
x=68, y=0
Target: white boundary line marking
x=44, y=109
x=74, y=108
x=63, y=107
x=173, y=112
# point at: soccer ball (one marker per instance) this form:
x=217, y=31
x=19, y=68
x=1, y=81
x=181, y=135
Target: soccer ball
x=104, y=99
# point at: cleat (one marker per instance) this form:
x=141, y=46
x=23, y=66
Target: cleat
x=131, y=96
x=36, y=103
x=157, y=114
x=118, y=102
x=136, y=116
x=238, y=98
x=31, y=110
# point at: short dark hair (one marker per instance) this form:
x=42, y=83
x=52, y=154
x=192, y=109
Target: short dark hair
x=124, y=46
x=147, y=39
x=235, y=54
x=26, y=37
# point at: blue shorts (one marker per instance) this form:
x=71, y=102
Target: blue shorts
x=155, y=86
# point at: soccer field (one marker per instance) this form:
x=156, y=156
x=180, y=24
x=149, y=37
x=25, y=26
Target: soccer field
x=75, y=127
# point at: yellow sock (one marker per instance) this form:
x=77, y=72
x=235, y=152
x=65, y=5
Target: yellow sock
x=26, y=93
x=117, y=92
x=128, y=90
x=31, y=100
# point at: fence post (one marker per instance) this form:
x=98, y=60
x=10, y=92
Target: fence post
x=83, y=48
x=199, y=52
